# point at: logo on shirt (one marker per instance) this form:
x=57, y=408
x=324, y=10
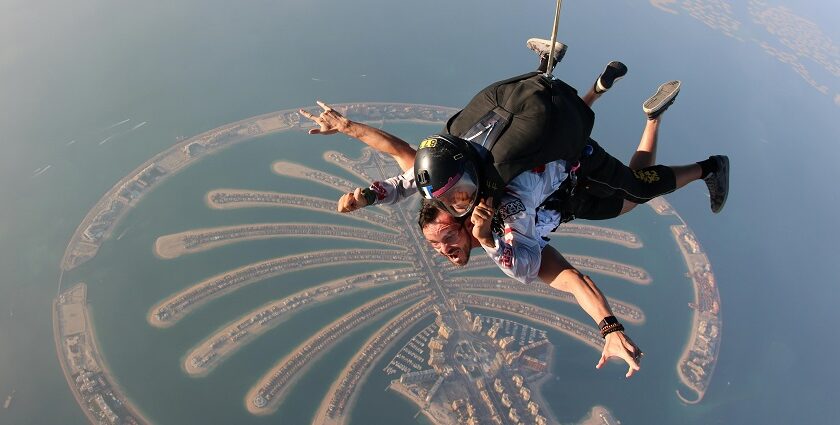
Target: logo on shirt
x=510, y=208
x=506, y=260
x=381, y=192
x=508, y=235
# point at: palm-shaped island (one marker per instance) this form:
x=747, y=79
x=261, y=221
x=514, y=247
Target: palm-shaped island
x=466, y=365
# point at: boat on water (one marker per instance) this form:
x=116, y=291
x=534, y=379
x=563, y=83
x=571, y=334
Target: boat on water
x=9, y=400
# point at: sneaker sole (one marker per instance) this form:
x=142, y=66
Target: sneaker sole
x=663, y=95
x=724, y=168
x=540, y=46
x=615, y=71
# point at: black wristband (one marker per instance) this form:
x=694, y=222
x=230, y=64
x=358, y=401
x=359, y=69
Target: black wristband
x=609, y=325
x=609, y=320
x=606, y=330
x=370, y=196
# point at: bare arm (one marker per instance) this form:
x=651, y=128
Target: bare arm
x=559, y=274
x=331, y=122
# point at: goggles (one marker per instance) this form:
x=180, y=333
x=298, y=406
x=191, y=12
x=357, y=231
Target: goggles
x=460, y=194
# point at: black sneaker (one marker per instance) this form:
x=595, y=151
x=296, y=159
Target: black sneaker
x=718, y=183
x=543, y=49
x=662, y=99
x=614, y=71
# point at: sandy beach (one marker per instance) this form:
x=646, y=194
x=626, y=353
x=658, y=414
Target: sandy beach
x=175, y=245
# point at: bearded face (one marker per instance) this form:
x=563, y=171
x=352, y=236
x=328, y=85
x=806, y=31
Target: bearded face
x=450, y=238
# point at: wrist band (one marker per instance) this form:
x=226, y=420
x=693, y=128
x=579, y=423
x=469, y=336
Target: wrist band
x=609, y=325
x=610, y=329
x=609, y=320
x=370, y=196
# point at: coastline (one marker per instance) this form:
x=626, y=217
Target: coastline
x=594, y=341
x=400, y=389
x=581, y=262
x=274, y=403
x=324, y=293
x=321, y=417
x=173, y=245
x=365, y=215
x=599, y=233
x=627, y=312
x=537, y=395
x=698, y=319
x=88, y=332
x=153, y=320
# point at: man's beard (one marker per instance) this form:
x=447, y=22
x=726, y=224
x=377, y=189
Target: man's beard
x=466, y=259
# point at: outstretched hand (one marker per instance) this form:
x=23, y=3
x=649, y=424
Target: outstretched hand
x=329, y=121
x=617, y=344
x=481, y=218
x=351, y=201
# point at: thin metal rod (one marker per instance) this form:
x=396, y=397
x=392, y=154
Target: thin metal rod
x=550, y=67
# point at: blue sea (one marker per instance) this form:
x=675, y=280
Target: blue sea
x=73, y=73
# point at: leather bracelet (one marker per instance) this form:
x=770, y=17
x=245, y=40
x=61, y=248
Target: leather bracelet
x=606, y=330
x=609, y=325
x=609, y=320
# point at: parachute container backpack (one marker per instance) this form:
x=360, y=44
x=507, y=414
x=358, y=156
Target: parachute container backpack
x=525, y=121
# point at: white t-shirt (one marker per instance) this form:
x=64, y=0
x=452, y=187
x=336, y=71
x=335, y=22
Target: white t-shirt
x=518, y=249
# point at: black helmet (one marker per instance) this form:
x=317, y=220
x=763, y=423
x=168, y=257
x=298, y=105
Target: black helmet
x=445, y=172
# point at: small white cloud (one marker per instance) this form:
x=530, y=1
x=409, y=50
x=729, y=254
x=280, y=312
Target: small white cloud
x=837, y=99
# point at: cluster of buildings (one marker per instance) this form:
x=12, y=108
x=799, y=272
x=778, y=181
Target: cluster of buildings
x=585, y=333
x=195, y=240
x=222, y=198
x=83, y=368
x=135, y=187
x=410, y=358
x=275, y=382
x=173, y=307
x=698, y=362
x=612, y=267
x=476, y=373
x=207, y=354
x=604, y=233
x=661, y=206
x=106, y=217
x=341, y=395
x=312, y=174
x=203, y=358
x=460, y=283
x=126, y=192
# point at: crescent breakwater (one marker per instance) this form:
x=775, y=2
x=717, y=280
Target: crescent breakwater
x=698, y=360
x=90, y=380
x=699, y=357
x=100, y=222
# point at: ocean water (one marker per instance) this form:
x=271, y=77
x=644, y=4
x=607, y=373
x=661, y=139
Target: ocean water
x=72, y=72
